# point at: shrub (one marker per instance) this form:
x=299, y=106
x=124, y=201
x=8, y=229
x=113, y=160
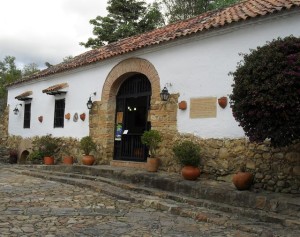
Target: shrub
x=151, y=139
x=266, y=92
x=187, y=153
x=87, y=145
x=46, y=145
x=36, y=156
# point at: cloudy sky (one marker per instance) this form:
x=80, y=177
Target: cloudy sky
x=39, y=31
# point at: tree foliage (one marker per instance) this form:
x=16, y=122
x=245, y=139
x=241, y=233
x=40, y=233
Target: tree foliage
x=179, y=10
x=125, y=18
x=8, y=74
x=30, y=69
x=266, y=92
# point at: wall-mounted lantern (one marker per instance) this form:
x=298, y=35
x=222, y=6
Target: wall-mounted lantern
x=16, y=110
x=164, y=95
x=89, y=104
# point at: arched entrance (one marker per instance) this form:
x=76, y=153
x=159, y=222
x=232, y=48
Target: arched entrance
x=131, y=120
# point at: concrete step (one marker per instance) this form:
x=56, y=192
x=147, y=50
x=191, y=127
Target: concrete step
x=200, y=209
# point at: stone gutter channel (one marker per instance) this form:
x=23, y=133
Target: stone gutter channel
x=203, y=200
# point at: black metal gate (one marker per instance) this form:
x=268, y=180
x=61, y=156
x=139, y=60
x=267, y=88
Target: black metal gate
x=133, y=103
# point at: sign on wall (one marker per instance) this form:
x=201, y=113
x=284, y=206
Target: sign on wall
x=205, y=107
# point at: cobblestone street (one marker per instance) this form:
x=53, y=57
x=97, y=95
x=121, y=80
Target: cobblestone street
x=36, y=207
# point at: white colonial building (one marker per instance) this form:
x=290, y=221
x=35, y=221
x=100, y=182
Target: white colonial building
x=191, y=58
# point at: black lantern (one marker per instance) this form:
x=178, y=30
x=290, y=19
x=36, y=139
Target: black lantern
x=89, y=104
x=16, y=110
x=164, y=95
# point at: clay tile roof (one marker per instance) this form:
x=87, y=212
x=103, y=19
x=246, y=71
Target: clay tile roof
x=55, y=88
x=236, y=13
x=24, y=95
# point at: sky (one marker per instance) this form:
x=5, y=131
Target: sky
x=39, y=31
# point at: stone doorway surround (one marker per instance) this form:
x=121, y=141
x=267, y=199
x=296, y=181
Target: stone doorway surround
x=102, y=115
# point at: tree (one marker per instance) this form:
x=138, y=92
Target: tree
x=8, y=74
x=266, y=92
x=30, y=69
x=179, y=10
x=126, y=18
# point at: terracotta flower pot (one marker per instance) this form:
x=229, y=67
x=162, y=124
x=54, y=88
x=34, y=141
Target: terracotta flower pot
x=49, y=160
x=152, y=164
x=68, y=160
x=88, y=160
x=190, y=172
x=242, y=180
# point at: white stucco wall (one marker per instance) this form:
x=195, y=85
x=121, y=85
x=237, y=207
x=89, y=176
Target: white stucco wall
x=195, y=68
x=81, y=85
x=200, y=69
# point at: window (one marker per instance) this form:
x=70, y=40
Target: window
x=27, y=114
x=59, y=113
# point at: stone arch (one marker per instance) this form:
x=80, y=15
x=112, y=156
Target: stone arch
x=125, y=69
x=102, y=115
x=23, y=157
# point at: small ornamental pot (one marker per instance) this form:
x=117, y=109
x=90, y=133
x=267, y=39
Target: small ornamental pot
x=189, y=172
x=182, y=105
x=49, y=160
x=223, y=102
x=82, y=116
x=68, y=160
x=152, y=164
x=40, y=118
x=242, y=180
x=88, y=160
x=68, y=116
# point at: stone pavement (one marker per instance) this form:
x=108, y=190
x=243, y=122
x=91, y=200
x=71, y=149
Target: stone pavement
x=85, y=209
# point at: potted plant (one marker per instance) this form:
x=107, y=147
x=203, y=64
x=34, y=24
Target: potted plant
x=67, y=159
x=152, y=139
x=13, y=143
x=242, y=180
x=87, y=145
x=35, y=157
x=187, y=154
x=13, y=156
x=47, y=147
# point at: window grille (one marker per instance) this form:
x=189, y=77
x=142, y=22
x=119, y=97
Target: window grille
x=59, y=113
x=27, y=115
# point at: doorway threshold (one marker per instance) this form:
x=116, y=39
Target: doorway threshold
x=129, y=164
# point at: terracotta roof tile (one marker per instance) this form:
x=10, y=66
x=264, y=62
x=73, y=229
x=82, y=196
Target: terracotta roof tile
x=24, y=95
x=55, y=87
x=238, y=12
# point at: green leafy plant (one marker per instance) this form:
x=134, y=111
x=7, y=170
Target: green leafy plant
x=35, y=156
x=187, y=153
x=46, y=145
x=151, y=139
x=87, y=145
x=265, y=98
